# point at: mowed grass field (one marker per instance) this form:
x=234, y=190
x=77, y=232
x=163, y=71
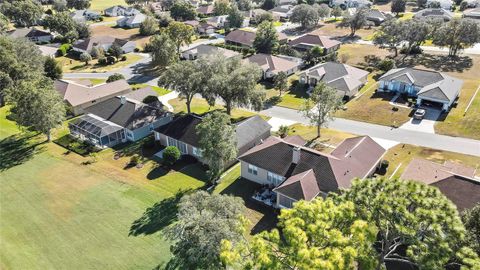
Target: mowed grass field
x=59, y=214
x=100, y=5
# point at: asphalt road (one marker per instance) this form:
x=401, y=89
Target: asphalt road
x=436, y=141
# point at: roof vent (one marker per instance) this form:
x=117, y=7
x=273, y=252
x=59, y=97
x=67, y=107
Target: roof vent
x=296, y=155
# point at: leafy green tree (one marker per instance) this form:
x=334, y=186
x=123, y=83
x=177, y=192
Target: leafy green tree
x=313, y=56
x=414, y=33
x=163, y=50
x=116, y=51
x=321, y=105
x=320, y=234
x=269, y=4
x=266, y=38
x=85, y=57
x=52, y=68
x=37, y=105
x=182, y=11
x=337, y=12
x=281, y=82
x=62, y=23
x=115, y=77
x=323, y=10
x=180, y=34
x=398, y=6
x=244, y=5
x=60, y=5
x=20, y=61
x=421, y=3
x=234, y=82
x=4, y=24
x=283, y=131
x=188, y=78
x=218, y=143
x=355, y=21
x=408, y=215
x=305, y=15
x=267, y=16
x=388, y=35
x=23, y=13
x=457, y=35
x=97, y=52
x=471, y=220
x=171, y=154
x=235, y=17
x=78, y=4
x=221, y=7
x=203, y=221
x=83, y=30
x=148, y=27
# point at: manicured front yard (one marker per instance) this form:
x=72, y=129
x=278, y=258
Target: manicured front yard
x=374, y=107
x=402, y=154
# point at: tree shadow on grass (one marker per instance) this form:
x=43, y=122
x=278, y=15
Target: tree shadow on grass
x=157, y=217
x=443, y=63
x=17, y=149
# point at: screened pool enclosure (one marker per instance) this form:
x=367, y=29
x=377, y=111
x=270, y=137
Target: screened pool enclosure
x=97, y=131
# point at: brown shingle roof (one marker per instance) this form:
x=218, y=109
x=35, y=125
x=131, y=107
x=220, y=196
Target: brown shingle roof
x=315, y=40
x=454, y=180
x=355, y=157
x=300, y=186
x=268, y=62
x=241, y=36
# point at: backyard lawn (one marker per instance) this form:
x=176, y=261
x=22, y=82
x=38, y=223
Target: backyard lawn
x=57, y=212
x=74, y=65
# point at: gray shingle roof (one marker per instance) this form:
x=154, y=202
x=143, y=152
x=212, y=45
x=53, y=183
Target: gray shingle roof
x=250, y=129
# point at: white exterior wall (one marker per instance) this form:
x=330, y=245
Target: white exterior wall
x=260, y=178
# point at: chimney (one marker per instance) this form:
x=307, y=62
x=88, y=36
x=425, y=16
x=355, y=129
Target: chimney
x=296, y=155
x=123, y=99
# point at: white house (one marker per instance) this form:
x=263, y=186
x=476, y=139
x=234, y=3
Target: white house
x=132, y=21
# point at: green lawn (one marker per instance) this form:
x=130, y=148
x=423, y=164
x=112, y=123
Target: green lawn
x=74, y=65
x=100, y=5
x=160, y=90
x=57, y=213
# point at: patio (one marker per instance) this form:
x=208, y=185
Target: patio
x=266, y=196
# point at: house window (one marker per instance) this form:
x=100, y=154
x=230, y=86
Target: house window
x=197, y=152
x=274, y=179
x=129, y=134
x=171, y=142
x=182, y=147
x=252, y=169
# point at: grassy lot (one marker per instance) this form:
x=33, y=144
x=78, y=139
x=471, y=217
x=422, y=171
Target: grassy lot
x=293, y=98
x=330, y=29
x=327, y=136
x=100, y=5
x=356, y=53
x=459, y=123
x=402, y=154
x=130, y=34
x=57, y=212
x=200, y=106
x=74, y=65
x=374, y=108
x=160, y=90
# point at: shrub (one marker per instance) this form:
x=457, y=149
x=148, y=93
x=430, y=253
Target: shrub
x=274, y=100
x=171, y=154
x=63, y=49
x=384, y=164
x=150, y=99
x=110, y=60
x=102, y=61
x=115, y=77
x=283, y=131
x=136, y=50
x=124, y=58
x=134, y=160
x=386, y=64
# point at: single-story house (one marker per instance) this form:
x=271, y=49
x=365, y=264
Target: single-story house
x=425, y=85
x=206, y=28
x=457, y=182
x=84, y=15
x=243, y=38
x=117, y=120
x=218, y=21
x=80, y=97
x=376, y=16
x=344, y=4
x=271, y=65
x=346, y=79
x=132, y=21
x=445, y=4
x=181, y=132
x=118, y=10
x=105, y=42
x=205, y=10
x=205, y=50
x=434, y=13
x=295, y=172
x=308, y=41
x=33, y=34
x=473, y=13
x=283, y=12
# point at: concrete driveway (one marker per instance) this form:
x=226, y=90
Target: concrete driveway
x=426, y=124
